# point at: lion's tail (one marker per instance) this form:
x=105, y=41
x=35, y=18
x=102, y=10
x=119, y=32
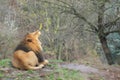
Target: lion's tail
x=34, y=67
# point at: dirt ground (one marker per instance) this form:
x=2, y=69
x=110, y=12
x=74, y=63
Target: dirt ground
x=88, y=68
x=106, y=73
x=88, y=72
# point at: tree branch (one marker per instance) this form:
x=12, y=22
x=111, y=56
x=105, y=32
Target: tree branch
x=85, y=20
x=111, y=23
x=114, y=31
x=71, y=10
x=64, y=6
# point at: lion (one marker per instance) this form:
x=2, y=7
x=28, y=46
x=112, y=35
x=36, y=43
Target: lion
x=28, y=54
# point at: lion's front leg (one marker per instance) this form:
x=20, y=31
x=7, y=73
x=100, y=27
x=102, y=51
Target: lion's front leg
x=45, y=62
x=41, y=59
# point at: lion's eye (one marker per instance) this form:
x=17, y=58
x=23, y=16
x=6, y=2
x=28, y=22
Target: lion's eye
x=29, y=40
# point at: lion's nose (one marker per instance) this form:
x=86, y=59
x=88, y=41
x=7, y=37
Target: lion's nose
x=37, y=32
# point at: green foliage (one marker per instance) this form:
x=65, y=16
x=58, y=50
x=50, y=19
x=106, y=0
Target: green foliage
x=65, y=74
x=114, y=45
x=30, y=71
x=1, y=75
x=5, y=62
x=61, y=73
x=19, y=75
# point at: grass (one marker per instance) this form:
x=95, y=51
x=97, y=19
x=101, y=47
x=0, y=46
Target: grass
x=30, y=71
x=65, y=74
x=62, y=73
x=5, y=63
x=55, y=72
x=1, y=75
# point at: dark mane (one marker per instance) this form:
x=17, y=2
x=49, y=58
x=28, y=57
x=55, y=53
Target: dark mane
x=39, y=56
x=22, y=47
x=26, y=49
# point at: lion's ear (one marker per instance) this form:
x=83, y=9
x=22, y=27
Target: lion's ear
x=29, y=40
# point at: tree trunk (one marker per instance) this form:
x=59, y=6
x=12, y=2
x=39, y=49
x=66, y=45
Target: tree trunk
x=102, y=36
x=106, y=50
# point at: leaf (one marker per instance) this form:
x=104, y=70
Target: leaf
x=40, y=26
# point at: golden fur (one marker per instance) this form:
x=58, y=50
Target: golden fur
x=28, y=54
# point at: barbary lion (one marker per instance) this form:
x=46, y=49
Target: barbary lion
x=28, y=54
